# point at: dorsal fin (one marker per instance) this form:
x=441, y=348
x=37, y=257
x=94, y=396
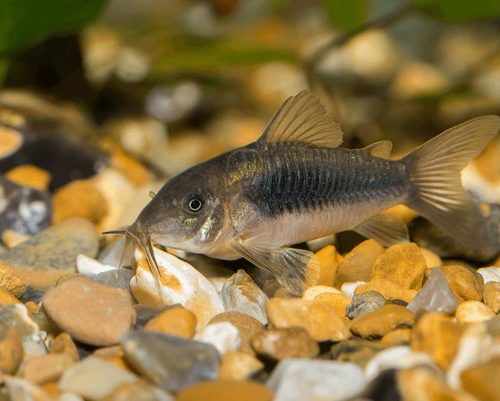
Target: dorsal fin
x=302, y=118
x=380, y=149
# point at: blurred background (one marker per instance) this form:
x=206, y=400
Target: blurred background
x=101, y=101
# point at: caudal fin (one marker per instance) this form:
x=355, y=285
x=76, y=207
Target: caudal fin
x=437, y=191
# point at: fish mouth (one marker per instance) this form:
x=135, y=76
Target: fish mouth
x=143, y=241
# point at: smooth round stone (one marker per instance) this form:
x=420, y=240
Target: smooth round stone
x=46, y=368
x=221, y=390
x=285, y=343
x=490, y=274
x=247, y=326
x=380, y=322
x=363, y=303
x=157, y=356
x=467, y=284
x=389, y=289
x=224, y=336
x=357, y=264
x=90, y=312
x=328, y=260
x=396, y=337
x=63, y=344
x=11, y=349
x=238, y=365
x=491, y=295
x=176, y=321
x=473, y=312
x=29, y=175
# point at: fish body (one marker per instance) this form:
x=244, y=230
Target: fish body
x=294, y=184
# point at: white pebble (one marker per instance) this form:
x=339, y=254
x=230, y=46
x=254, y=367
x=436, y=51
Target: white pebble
x=222, y=335
x=490, y=274
x=90, y=267
x=349, y=288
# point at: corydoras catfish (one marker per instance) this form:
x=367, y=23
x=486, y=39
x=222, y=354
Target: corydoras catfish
x=295, y=184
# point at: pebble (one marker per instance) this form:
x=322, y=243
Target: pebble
x=176, y=321
x=312, y=292
x=328, y=260
x=490, y=274
x=350, y=288
x=10, y=282
x=319, y=319
x=382, y=321
x=363, y=303
x=339, y=301
x=137, y=391
x=94, y=378
x=357, y=264
x=157, y=356
x=404, y=264
x=222, y=390
x=28, y=175
x=280, y=344
x=246, y=324
x=491, y=294
x=224, y=336
x=23, y=209
x=18, y=389
x=316, y=380
x=6, y=298
x=355, y=350
x=464, y=282
x=90, y=267
x=13, y=238
x=435, y=295
x=473, y=312
x=17, y=316
x=90, y=312
x=389, y=289
x=80, y=198
x=438, y=335
x=46, y=368
x=483, y=380
x=180, y=283
x=240, y=293
x=64, y=344
x=43, y=259
x=117, y=278
x=238, y=365
x=11, y=349
x=431, y=259
x=396, y=337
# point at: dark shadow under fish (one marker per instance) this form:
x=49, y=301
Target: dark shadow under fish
x=294, y=184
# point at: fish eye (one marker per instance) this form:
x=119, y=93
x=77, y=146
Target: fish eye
x=194, y=203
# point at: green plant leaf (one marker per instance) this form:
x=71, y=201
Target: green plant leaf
x=24, y=22
x=459, y=10
x=347, y=14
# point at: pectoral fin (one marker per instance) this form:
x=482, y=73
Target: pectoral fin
x=384, y=228
x=293, y=268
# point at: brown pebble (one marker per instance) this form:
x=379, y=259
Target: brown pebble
x=79, y=198
x=339, y=301
x=396, y=337
x=464, y=282
x=176, y=321
x=221, y=390
x=328, y=260
x=473, y=312
x=63, y=344
x=382, y=321
x=30, y=176
x=438, y=335
x=6, y=298
x=246, y=324
x=483, y=380
x=10, y=282
x=238, y=365
x=357, y=264
x=135, y=391
x=11, y=349
x=491, y=295
x=277, y=344
x=389, y=290
x=46, y=368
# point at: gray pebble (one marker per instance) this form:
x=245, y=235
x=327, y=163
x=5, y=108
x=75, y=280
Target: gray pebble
x=367, y=302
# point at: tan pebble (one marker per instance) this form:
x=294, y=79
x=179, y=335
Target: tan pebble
x=339, y=301
x=64, y=344
x=422, y=383
x=396, y=337
x=357, y=264
x=431, y=259
x=176, y=321
x=30, y=176
x=464, y=282
x=135, y=391
x=491, y=295
x=328, y=262
x=11, y=141
x=225, y=390
x=80, y=198
x=382, y=321
x=320, y=319
x=404, y=264
x=473, y=312
x=12, y=238
x=483, y=380
x=246, y=324
x=438, y=335
x=278, y=344
x=113, y=354
x=11, y=349
x=312, y=292
x=32, y=307
x=238, y=365
x=46, y=368
x=389, y=289
x=10, y=282
x=7, y=298
x=130, y=167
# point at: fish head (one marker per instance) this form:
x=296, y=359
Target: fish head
x=186, y=214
